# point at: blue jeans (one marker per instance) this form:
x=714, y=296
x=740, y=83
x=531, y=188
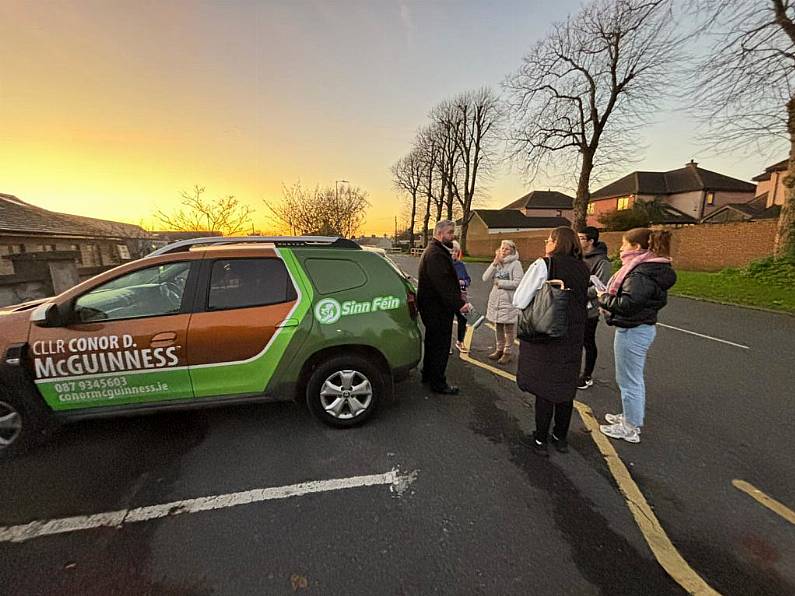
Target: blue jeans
x=630, y=347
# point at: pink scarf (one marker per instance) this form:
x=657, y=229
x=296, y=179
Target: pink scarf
x=629, y=260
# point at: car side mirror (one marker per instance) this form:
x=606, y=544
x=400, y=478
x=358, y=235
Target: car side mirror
x=47, y=315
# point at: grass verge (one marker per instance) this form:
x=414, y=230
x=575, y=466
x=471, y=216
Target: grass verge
x=732, y=286
x=469, y=259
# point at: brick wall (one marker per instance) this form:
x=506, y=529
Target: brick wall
x=712, y=247
x=706, y=247
x=529, y=244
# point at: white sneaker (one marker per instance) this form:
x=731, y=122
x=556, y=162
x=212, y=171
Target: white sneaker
x=621, y=431
x=617, y=419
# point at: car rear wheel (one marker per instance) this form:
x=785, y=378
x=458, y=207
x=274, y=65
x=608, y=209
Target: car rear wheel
x=344, y=391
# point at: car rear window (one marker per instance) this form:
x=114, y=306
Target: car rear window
x=335, y=275
x=241, y=283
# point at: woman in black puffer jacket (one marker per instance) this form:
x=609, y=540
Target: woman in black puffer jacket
x=634, y=296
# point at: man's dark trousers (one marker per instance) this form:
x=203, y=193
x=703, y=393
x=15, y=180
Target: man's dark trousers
x=591, y=351
x=438, y=334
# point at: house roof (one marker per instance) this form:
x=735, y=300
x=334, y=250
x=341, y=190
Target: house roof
x=686, y=179
x=776, y=167
x=746, y=211
x=542, y=199
x=672, y=216
x=17, y=216
x=513, y=218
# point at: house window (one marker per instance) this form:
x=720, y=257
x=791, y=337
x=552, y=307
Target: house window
x=591, y=209
x=124, y=251
x=623, y=203
x=710, y=198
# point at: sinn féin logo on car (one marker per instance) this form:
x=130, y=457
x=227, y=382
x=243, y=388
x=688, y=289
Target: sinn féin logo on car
x=328, y=311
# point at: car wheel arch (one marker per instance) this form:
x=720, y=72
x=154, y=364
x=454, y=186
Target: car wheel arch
x=370, y=353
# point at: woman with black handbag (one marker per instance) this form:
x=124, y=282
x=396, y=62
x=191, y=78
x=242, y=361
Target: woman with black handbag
x=550, y=353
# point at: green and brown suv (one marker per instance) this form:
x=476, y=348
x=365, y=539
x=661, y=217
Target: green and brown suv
x=207, y=322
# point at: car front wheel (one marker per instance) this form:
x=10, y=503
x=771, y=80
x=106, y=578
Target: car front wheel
x=22, y=425
x=344, y=391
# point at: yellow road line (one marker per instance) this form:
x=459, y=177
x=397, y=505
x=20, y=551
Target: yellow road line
x=654, y=534
x=769, y=502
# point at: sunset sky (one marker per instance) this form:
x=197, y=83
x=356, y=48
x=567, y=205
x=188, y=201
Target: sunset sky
x=110, y=109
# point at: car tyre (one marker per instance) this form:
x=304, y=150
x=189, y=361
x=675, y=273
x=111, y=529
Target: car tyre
x=344, y=391
x=24, y=423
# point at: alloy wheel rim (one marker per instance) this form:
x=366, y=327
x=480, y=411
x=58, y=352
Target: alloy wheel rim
x=346, y=394
x=10, y=424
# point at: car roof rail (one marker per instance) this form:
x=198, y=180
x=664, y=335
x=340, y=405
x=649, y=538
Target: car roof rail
x=286, y=241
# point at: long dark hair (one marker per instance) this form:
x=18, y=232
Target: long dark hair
x=566, y=242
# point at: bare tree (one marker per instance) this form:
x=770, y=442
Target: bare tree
x=320, y=211
x=473, y=119
x=745, y=87
x=430, y=153
x=446, y=125
x=226, y=214
x=584, y=90
x=407, y=176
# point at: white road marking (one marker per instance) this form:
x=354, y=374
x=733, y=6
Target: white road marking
x=723, y=341
x=398, y=483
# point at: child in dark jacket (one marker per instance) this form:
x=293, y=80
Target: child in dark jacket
x=463, y=280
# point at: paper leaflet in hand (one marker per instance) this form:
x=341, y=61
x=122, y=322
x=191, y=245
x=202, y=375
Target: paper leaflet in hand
x=474, y=318
x=597, y=283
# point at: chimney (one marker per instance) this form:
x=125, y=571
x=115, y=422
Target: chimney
x=691, y=164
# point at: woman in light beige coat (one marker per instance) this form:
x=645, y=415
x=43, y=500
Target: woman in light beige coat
x=505, y=273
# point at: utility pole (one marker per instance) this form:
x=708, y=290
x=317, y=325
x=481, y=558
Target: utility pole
x=396, y=229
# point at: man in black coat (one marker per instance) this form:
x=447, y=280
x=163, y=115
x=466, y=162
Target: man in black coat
x=438, y=299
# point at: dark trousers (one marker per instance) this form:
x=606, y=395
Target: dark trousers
x=545, y=410
x=461, y=328
x=438, y=333
x=590, y=346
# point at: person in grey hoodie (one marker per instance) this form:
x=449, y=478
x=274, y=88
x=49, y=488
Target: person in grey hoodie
x=598, y=263
x=504, y=273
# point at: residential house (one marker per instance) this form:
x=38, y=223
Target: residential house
x=693, y=192
x=485, y=223
x=99, y=244
x=544, y=203
x=767, y=202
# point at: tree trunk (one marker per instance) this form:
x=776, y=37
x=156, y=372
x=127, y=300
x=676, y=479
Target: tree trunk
x=785, y=232
x=463, y=238
x=425, y=221
x=583, y=194
x=411, y=223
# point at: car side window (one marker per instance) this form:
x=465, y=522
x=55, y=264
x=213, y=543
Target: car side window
x=242, y=283
x=148, y=292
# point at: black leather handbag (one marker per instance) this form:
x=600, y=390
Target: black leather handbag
x=547, y=315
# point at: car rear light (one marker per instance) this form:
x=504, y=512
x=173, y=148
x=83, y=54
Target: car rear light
x=411, y=300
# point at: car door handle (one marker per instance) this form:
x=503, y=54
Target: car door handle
x=288, y=323
x=163, y=339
